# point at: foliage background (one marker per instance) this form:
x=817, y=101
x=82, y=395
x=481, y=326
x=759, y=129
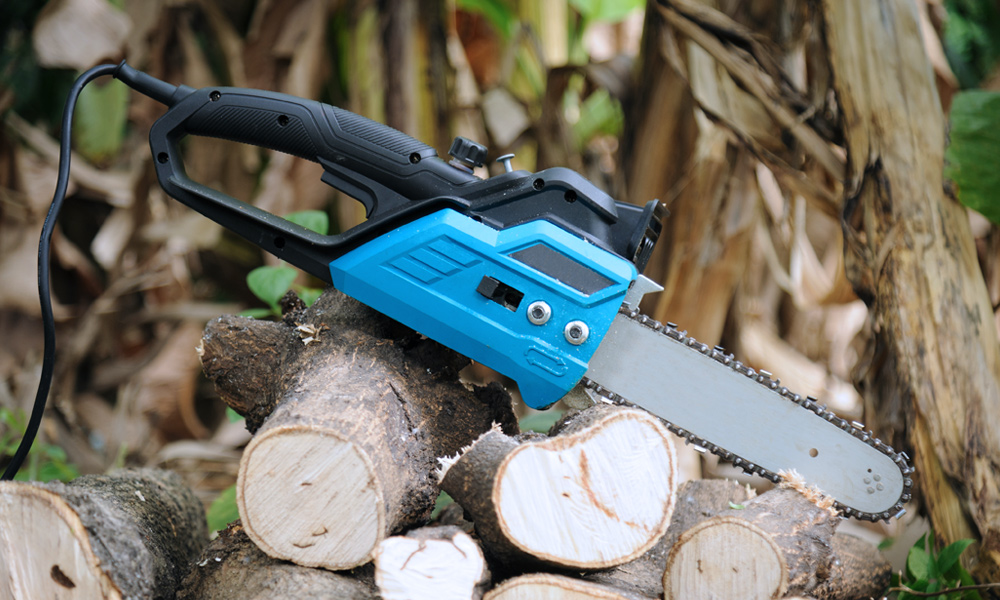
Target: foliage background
x=750, y=259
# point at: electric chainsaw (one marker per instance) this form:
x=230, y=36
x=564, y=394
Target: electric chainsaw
x=536, y=275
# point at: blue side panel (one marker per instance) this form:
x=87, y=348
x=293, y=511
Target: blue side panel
x=426, y=274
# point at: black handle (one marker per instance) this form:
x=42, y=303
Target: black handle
x=388, y=171
x=396, y=177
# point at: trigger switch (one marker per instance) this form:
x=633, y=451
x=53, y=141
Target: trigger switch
x=467, y=154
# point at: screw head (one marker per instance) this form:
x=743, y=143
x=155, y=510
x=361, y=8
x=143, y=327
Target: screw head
x=576, y=332
x=539, y=312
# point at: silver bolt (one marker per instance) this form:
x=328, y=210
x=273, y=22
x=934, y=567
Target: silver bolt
x=505, y=159
x=539, y=312
x=576, y=332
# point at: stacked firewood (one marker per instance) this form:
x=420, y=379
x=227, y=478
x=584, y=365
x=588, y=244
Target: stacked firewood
x=359, y=424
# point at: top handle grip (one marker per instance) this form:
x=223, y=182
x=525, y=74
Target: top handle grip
x=387, y=170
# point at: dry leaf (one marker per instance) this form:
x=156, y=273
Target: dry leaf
x=77, y=34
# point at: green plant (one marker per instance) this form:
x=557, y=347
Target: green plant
x=972, y=39
x=223, y=509
x=974, y=144
x=938, y=574
x=45, y=462
x=271, y=283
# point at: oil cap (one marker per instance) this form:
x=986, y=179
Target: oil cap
x=467, y=154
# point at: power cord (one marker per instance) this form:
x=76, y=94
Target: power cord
x=44, y=293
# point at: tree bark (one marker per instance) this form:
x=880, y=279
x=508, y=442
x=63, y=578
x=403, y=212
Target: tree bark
x=233, y=567
x=431, y=563
x=858, y=570
x=362, y=408
x=934, y=363
x=596, y=495
x=128, y=535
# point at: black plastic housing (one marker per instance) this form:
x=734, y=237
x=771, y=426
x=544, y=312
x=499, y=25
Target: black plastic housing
x=396, y=177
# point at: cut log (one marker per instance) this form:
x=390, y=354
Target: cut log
x=697, y=500
x=233, y=567
x=598, y=494
x=131, y=534
x=547, y=586
x=431, y=563
x=351, y=411
x=775, y=544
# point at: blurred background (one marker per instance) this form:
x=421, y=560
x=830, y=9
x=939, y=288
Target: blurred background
x=629, y=95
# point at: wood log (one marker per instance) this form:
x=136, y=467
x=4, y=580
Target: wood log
x=598, y=494
x=131, y=534
x=774, y=544
x=697, y=500
x=351, y=411
x=549, y=586
x=431, y=563
x=234, y=567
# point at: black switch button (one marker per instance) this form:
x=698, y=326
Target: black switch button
x=500, y=292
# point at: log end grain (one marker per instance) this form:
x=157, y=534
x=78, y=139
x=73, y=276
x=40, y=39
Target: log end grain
x=725, y=557
x=45, y=551
x=131, y=534
x=431, y=563
x=312, y=472
x=592, y=499
x=548, y=586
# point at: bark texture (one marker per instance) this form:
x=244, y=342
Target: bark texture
x=129, y=535
x=858, y=570
x=935, y=361
x=351, y=411
x=596, y=495
x=233, y=567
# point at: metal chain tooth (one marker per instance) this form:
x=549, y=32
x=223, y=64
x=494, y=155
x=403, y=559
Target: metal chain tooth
x=808, y=402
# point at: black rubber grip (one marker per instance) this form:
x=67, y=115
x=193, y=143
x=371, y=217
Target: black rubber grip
x=301, y=127
x=388, y=138
x=271, y=129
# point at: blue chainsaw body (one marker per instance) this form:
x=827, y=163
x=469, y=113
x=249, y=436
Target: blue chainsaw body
x=430, y=275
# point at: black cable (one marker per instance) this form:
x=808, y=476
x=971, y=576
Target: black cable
x=44, y=293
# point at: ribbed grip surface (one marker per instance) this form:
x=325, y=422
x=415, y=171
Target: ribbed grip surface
x=376, y=133
x=271, y=129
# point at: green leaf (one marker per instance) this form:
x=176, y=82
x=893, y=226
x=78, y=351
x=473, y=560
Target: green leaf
x=313, y=220
x=599, y=114
x=257, y=313
x=270, y=283
x=886, y=543
x=309, y=295
x=919, y=563
x=970, y=159
x=541, y=422
x=99, y=125
x=950, y=554
x=735, y=506
x=223, y=510
x=442, y=501
x=610, y=11
x=232, y=416
x=497, y=12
